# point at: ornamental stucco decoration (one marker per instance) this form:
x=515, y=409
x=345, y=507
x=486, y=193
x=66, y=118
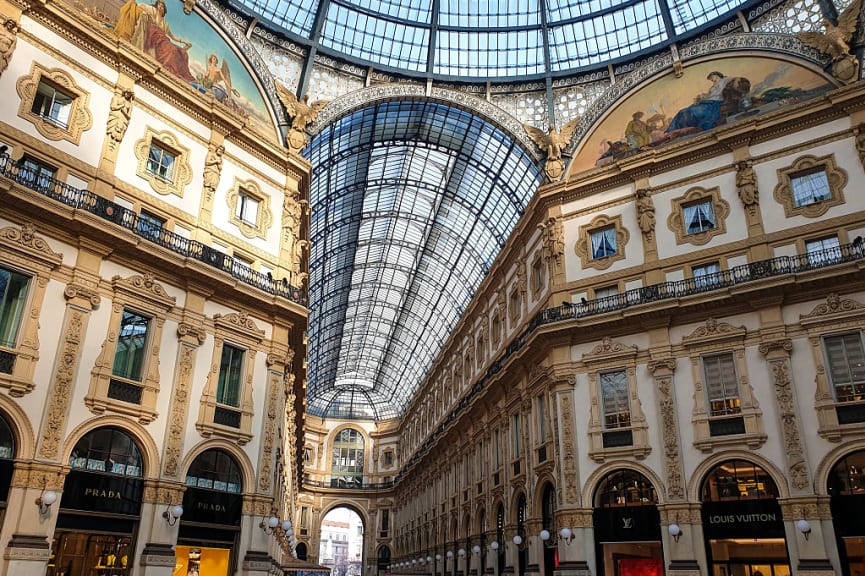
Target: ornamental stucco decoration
x=345, y=104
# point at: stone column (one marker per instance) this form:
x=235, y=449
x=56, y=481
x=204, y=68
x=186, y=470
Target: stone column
x=157, y=533
x=808, y=551
x=255, y=543
x=576, y=554
x=809, y=556
x=680, y=556
x=27, y=531
x=511, y=551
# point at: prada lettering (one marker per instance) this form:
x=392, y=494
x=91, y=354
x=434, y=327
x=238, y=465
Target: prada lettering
x=741, y=518
x=210, y=507
x=102, y=493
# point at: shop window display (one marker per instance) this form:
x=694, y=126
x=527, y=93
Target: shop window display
x=846, y=488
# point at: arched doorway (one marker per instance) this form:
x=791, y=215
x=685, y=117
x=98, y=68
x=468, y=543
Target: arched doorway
x=301, y=551
x=7, y=463
x=100, y=506
x=846, y=488
x=341, y=542
x=627, y=526
x=548, y=523
x=500, y=539
x=212, y=510
x=382, y=559
x=742, y=521
x=520, y=539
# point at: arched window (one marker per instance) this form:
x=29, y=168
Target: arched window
x=108, y=450
x=347, y=465
x=737, y=480
x=215, y=469
x=383, y=557
x=848, y=475
x=625, y=488
x=301, y=550
x=7, y=454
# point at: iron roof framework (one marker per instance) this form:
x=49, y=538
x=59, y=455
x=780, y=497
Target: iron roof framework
x=412, y=201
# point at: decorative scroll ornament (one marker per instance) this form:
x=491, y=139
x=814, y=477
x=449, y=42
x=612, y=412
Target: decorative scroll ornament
x=834, y=42
x=301, y=113
x=552, y=143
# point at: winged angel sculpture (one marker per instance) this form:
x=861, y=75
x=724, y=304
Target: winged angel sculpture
x=835, y=42
x=552, y=143
x=301, y=113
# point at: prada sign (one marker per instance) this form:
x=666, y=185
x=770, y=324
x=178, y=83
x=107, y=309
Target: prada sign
x=212, y=507
x=93, y=492
x=757, y=518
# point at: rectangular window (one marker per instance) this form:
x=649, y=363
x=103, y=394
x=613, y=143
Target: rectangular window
x=615, y=401
x=307, y=454
x=247, y=209
x=722, y=386
x=537, y=276
x=497, y=457
x=606, y=291
x=150, y=226
x=845, y=363
x=160, y=162
x=810, y=188
x=35, y=173
x=699, y=217
x=13, y=296
x=131, y=346
x=385, y=520
x=707, y=275
x=230, y=365
x=52, y=104
x=542, y=418
x=388, y=458
x=823, y=251
x=604, y=242
x=515, y=427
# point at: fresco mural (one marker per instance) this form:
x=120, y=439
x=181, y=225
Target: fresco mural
x=709, y=94
x=186, y=46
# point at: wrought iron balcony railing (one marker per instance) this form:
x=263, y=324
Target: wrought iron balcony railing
x=346, y=483
x=94, y=204
x=775, y=267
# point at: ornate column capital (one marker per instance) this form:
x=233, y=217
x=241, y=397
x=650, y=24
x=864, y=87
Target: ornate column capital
x=776, y=348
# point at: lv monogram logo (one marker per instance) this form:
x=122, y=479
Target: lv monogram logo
x=627, y=523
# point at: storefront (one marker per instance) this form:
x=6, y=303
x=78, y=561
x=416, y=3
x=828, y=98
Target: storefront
x=7, y=463
x=742, y=522
x=847, y=491
x=627, y=526
x=100, y=507
x=212, y=510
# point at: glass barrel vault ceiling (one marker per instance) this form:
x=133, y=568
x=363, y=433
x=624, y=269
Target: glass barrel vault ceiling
x=411, y=202
x=478, y=39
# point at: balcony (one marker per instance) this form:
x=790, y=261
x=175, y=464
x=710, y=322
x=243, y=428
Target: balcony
x=345, y=483
x=94, y=204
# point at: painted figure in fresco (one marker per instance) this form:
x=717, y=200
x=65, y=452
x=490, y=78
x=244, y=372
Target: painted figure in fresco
x=637, y=131
x=711, y=108
x=217, y=79
x=145, y=26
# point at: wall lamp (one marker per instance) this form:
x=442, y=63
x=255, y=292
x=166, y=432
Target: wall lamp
x=545, y=535
x=804, y=527
x=45, y=500
x=269, y=525
x=494, y=545
x=675, y=531
x=461, y=552
x=566, y=535
x=450, y=554
x=518, y=540
x=438, y=557
x=429, y=559
x=172, y=513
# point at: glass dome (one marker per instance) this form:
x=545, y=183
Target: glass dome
x=487, y=39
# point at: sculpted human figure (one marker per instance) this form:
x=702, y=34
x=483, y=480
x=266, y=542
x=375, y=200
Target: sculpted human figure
x=213, y=167
x=645, y=212
x=8, y=40
x=119, y=115
x=746, y=183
